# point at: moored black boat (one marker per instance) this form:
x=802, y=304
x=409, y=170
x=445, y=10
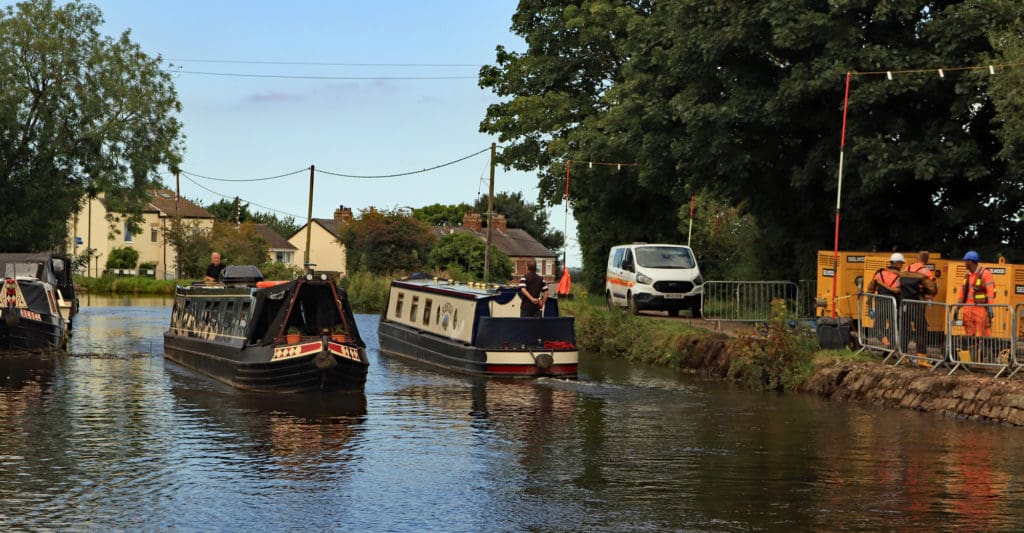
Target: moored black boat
x=289, y=336
x=37, y=302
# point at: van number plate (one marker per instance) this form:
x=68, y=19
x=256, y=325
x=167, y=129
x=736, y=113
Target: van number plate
x=674, y=296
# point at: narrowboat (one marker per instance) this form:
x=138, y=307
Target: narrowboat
x=475, y=329
x=38, y=302
x=283, y=336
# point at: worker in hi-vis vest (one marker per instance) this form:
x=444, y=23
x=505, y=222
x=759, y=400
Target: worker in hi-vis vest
x=979, y=290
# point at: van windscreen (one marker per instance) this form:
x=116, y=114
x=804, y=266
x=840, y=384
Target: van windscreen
x=664, y=257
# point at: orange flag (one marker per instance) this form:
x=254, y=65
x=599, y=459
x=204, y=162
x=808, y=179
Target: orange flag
x=563, y=285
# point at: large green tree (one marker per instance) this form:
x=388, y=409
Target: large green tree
x=745, y=99
x=458, y=254
x=80, y=114
x=386, y=242
x=237, y=210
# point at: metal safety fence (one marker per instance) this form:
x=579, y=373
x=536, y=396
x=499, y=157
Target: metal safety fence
x=877, y=324
x=982, y=336
x=748, y=301
x=806, y=298
x=923, y=331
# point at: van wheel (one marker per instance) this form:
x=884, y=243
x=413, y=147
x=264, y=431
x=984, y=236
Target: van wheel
x=673, y=312
x=633, y=309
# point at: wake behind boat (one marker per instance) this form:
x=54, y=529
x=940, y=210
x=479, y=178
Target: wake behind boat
x=38, y=302
x=286, y=336
x=475, y=330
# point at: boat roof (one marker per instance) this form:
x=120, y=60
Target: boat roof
x=456, y=289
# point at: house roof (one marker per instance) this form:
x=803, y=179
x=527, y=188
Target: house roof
x=515, y=242
x=331, y=225
x=162, y=201
x=273, y=238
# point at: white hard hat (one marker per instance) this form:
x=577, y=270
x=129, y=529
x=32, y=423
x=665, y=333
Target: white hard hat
x=897, y=258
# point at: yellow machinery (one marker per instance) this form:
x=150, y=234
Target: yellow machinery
x=853, y=275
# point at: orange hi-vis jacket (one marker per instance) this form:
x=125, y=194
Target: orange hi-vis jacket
x=886, y=281
x=923, y=269
x=979, y=287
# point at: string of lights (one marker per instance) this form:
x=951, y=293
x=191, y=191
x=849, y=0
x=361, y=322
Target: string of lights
x=400, y=174
x=207, y=189
x=941, y=71
x=194, y=175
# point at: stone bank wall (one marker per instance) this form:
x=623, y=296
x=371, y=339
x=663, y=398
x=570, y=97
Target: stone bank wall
x=963, y=395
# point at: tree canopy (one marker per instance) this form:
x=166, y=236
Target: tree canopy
x=525, y=215
x=386, y=242
x=744, y=100
x=236, y=210
x=80, y=114
x=462, y=254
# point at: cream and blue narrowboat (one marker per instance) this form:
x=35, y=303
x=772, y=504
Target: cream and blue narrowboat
x=473, y=329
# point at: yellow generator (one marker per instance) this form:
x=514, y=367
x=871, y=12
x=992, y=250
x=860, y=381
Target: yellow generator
x=849, y=280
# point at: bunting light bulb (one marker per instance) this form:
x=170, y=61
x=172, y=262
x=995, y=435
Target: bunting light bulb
x=991, y=69
x=618, y=166
x=941, y=74
x=888, y=74
x=590, y=165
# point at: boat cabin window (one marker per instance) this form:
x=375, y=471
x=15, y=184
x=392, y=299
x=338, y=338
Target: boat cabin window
x=415, y=308
x=398, y=305
x=426, y=311
x=455, y=318
x=437, y=315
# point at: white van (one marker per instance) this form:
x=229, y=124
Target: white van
x=653, y=276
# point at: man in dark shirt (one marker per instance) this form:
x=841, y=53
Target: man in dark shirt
x=216, y=267
x=533, y=290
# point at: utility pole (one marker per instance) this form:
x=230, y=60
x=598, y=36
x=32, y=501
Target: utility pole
x=309, y=218
x=490, y=213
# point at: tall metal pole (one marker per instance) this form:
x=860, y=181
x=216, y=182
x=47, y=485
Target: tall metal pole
x=839, y=196
x=490, y=213
x=309, y=217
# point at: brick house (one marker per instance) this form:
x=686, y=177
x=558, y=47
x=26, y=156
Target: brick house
x=516, y=243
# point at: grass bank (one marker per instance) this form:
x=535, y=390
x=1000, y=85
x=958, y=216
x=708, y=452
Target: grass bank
x=776, y=356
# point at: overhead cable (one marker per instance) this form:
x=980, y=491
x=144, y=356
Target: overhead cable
x=321, y=63
x=197, y=184
x=303, y=77
x=381, y=176
x=194, y=175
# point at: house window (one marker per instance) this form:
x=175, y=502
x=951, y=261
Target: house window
x=127, y=233
x=154, y=233
x=283, y=257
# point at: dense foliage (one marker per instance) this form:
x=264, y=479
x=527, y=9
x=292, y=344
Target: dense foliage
x=238, y=211
x=80, y=114
x=237, y=245
x=744, y=100
x=386, y=242
x=123, y=258
x=461, y=256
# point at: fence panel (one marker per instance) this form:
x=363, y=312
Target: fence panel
x=923, y=331
x=746, y=301
x=877, y=324
x=981, y=336
x=807, y=293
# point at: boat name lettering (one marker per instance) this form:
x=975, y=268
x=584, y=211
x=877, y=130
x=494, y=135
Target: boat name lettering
x=30, y=314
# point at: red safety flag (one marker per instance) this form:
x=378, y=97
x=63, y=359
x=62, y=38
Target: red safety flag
x=565, y=282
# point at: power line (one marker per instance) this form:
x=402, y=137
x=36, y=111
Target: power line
x=194, y=175
x=303, y=77
x=322, y=63
x=197, y=184
x=442, y=165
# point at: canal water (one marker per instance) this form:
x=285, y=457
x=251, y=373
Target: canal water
x=112, y=437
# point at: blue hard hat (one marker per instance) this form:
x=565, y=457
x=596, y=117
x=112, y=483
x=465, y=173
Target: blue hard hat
x=972, y=256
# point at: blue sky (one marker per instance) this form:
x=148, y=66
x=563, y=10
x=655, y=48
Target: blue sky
x=240, y=128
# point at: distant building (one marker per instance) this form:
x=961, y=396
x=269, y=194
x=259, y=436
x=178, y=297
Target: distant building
x=516, y=243
x=280, y=250
x=89, y=228
x=324, y=248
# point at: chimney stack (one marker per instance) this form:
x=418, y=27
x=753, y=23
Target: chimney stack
x=343, y=214
x=500, y=223
x=473, y=221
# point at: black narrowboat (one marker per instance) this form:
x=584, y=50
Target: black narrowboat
x=37, y=302
x=283, y=336
x=476, y=329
